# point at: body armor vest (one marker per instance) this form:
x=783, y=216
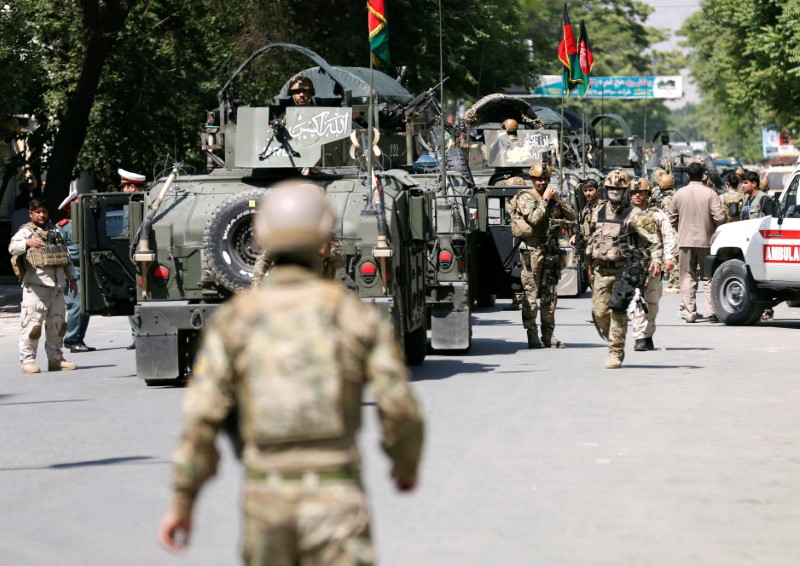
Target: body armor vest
x=732, y=204
x=605, y=240
x=53, y=254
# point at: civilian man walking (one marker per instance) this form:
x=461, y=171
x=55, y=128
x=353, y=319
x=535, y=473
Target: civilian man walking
x=695, y=213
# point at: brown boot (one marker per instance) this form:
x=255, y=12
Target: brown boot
x=61, y=365
x=614, y=361
x=31, y=367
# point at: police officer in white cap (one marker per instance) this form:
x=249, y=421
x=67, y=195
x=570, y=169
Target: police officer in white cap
x=77, y=323
x=131, y=183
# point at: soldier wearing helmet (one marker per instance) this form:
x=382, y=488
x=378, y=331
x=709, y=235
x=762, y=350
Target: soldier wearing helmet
x=532, y=212
x=510, y=126
x=302, y=90
x=644, y=320
x=616, y=226
x=292, y=359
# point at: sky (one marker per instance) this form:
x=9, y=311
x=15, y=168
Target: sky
x=670, y=15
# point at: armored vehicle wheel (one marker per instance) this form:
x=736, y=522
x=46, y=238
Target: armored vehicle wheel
x=416, y=346
x=734, y=294
x=485, y=299
x=456, y=161
x=229, y=249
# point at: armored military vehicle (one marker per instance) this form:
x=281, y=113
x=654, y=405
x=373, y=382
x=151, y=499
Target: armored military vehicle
x=495, y=156
x=170, y=256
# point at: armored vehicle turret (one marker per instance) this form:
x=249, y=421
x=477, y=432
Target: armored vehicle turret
x=173, y=254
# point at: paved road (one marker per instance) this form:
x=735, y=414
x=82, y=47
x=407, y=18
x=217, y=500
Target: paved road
x=687, y=455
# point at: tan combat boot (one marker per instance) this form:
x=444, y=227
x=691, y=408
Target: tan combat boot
x=614, y=361
x=61, y=365
x=31, y=367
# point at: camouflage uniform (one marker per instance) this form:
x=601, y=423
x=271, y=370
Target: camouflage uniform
x=43, y=306
x=333, y=259
x=644, y=324
x=664, y=204
x=613, y=326
x=732, y=201
x=304, y=503
x=536, y=212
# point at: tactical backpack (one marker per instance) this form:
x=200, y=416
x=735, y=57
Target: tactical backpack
x=520, y=228
x=293, y=380
x=732, y=204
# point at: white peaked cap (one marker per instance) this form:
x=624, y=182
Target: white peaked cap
x=128, y=177
x=73, y=195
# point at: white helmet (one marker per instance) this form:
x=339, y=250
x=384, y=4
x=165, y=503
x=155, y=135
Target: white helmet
x=293, y=216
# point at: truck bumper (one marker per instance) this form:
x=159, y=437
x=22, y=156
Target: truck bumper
x=450, y=317
x=162, y=339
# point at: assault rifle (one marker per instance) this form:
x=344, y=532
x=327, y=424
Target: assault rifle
x=634, y=276
x=551, y=261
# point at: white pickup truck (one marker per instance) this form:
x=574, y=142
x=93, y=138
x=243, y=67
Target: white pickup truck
x=755, y=263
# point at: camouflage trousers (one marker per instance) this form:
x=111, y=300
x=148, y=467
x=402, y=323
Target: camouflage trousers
x=612, y=326
x=306, y=522
x=531, y=277
x=644, y=324
x=42, y=310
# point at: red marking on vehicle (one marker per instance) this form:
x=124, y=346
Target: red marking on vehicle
x=368, y=271
x=781, y=254
x=782, y=234
x=445, y=259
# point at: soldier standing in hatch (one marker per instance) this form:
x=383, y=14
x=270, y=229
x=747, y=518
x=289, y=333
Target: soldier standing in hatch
x=292, y=358
x=644, y=323
x=612, y=225
x=302, y=90
x=47, y=268
x=536, y=208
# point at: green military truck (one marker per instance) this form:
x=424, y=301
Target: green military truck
x=170, y=256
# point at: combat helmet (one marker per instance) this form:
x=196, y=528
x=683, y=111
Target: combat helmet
x=300, y=82
x=641, y=184
x=510, y=125
x=657, y=174
x=514, y=182
x=617, y=179
x=540, y=171
x=667, y=182
x=293, y=216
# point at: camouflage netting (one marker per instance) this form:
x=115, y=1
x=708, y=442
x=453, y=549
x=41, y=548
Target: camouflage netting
x=499, y=107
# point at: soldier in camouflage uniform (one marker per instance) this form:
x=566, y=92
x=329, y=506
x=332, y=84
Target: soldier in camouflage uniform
x=611, y=225
x=644, y=323
x=290, y=359
x=591, y=193
x=667, y=193
x=516, y=289
x=40, y=252
x=532, y=210
x=732, y=199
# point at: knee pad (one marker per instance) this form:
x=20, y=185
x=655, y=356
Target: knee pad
x=62, y=329
x=36, y=332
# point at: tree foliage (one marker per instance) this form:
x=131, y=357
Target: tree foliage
x=162, y=69
x=745, y=57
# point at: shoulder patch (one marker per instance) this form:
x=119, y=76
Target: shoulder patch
x=63, y=222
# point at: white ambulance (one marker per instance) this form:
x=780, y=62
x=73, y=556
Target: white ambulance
x=755, y=264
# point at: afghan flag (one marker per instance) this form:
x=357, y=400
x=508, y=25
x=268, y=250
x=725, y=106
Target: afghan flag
x=568, y=54
x=378, y=32
x=580, y=74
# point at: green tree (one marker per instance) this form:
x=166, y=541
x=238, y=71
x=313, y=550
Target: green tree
x=745, y=58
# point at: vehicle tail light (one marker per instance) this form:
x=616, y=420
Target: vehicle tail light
x=445, y=259
x=160, y=274
x=368, y=271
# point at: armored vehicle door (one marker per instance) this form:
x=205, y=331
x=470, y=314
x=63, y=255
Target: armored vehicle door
x=104, y=223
